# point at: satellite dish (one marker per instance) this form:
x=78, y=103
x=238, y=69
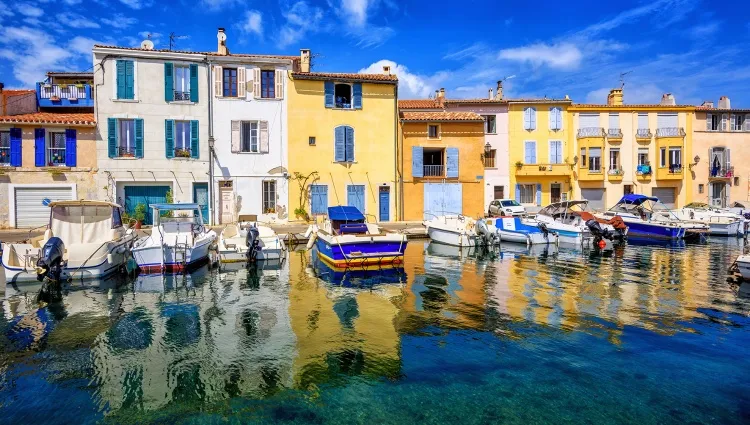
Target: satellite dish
x=147, y=45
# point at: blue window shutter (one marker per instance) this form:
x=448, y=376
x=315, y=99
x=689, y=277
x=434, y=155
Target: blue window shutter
x=194, y=139
x=112, y=137
x=139, y=138
x=129, y=80
x=16, y=147
x=121, y=76
x=518, y=193
x=194, y=82
x=532, y=118
x=349, y=144
x=318, y=199
x=339, y=144
x=417, y=161
x=329, y=94
x=357, y=96
x=527, y=118
x=452, y=162
x=539, y=194
x=168, y=81
x=71, y=154
x=39, y=146
x=552, y=118
x=169, y=138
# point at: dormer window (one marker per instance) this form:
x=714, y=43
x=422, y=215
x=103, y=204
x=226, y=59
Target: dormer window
x=340, y=95
x=343, y=96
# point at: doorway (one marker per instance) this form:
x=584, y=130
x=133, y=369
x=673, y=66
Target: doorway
x=718, y=194
x=200, y=197
x=226, y=197
x=555, y=191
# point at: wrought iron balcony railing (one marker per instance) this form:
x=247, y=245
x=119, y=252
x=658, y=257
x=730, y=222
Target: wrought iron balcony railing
x=591, y=132
x=643, y=133
x=670, y=132
x=181, y=95
x=614, y=133
x=615, y=171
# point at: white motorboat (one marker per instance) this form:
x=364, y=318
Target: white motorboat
x=178, y=240
x=720, y=223
x=247, y=242
x=743, y=266
x=649, y=219
x=454, y=230
x=571, y=221
x=84, y=240
x=520, y=230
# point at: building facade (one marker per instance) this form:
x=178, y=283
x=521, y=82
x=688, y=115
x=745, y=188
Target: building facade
x=342, y=142
x=720, y=142
x=621, y=149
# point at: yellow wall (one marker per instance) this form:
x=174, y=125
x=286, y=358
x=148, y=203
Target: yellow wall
x=468, y=137
x=374, y=147
x=542, y=135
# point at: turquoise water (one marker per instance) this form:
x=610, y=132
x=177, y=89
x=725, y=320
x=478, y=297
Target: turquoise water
x=644, y=334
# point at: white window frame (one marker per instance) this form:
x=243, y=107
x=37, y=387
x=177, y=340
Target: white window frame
x=186, y=82
x=5, y=149
x=257, y=136
x=558, y=160
x=645, y=152
x=598, y=168
x=529, y=187
x=49, y=137
x=130, y=142
x=185, y=143
x=351, y=94
x=662, y=157
x=487, y=119
x=739, y=122
x=265, y=192
x=616, y=164
x=675, y=152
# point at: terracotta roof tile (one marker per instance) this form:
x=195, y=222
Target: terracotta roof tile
x=18, y=92
x=625, y=106
x=138, y=49
x=419, y=104
x=541, y=100
x=469, y=101
x=386, y=78
x=441, y=116
x=86, y=119
x=707, y=109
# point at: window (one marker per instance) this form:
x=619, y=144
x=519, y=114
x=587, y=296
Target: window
x=343, y=95
x=125, y=75
x=529, y=152
x=643, y=129
x=181, y=82
x=614, y=160
x=490, y=124
x=739, y=122
x=662, y=157
x=433, y=131
x=489, y=158
x=555, y=118
x=675, y=160
x=268, y=84
x=713, y=122
x=269, y=196
x=343, y=143
x=529, y=118
x=614, y=121
x=432, y=160
x=595, y=160
x=499, y=192
x=627, y=189
x=528, y=193
x=4, y=148
x=643, y=156
x=736, y=181
x=126, y=141
x=701, y=188
x=583, y=157
x=182, y=139
x=510, y=203
x=230, y=82
x=55, y=149
x=311, y=141
x=555, y=152
x=249, y=137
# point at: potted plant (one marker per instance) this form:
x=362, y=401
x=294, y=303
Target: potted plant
x=519, y=164
x=80, y=85
x=139, y=214
x=54, y=98
x=182, y=153
x=300, y=213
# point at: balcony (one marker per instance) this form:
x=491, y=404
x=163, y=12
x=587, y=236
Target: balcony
x=714, y=173
x=673, y=172
x=614, y=135
x=542, y=170
x=589, y=174
x=643, y=172
x=670, y=132
x=181, y=96
x=643, y=135
x=591, y=132
x=434, y=171
x=615, y=174
x=64, y=95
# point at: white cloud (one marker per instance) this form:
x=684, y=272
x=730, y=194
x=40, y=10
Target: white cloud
x=83, y=45
x=119, y=21
x=632, y=94
x=76, y=21
x=31, y=53
x=137, y=4
x=704, y=30
x=354, y=15
x=409, y=84
x=466, y=52
x=215, y=5
x=557, y=56
x=29, y=10
x=72, y=2
x=253, y=23
x=356, y=10
x=301, y=19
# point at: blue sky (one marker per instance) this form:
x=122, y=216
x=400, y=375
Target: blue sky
x=691, y=48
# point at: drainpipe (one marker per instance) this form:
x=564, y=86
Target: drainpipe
x=400, y=181
x=212, y=208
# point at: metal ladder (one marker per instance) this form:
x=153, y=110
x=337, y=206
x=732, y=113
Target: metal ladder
x=180, y=252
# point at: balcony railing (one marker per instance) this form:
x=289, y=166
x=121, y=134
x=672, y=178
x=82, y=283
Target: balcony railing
x=720, y=173
x=55, y=157
x=643, y=133
x=614, y=133
x=675, y=169
x=591, y=132
x=4, y=156
x=126, y=152
x=670, y=132
x=434, y=170
x=181, y=95
x=643, y=170
x=616, y=171
x=68, y=95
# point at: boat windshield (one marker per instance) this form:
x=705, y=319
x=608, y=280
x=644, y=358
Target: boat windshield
x=510, y=203
x=180, y=216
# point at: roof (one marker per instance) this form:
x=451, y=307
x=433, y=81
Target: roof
x=419, y=104
x=70, y=74
x=83, y=203
x=441, y=116
x=470, y=101
x=540, y=100
x=628, y=106
x=370, y=78
x=18, y=92
x=703, y=108
x=344, y=213
x=258, y=56
x=86, y=119
x=174, y=207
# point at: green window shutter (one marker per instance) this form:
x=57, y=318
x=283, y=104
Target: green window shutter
x=194, y=140
x=139, y=138
x=168, y=82
x=194, y=83
x=129, y=80
x=112, y=137
x=121, y=76
x=169, y=138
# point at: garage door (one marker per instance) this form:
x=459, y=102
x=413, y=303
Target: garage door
x=30, y=208
x=665, y=194
x=442, y=199
x=595, y=198
x=147, y=195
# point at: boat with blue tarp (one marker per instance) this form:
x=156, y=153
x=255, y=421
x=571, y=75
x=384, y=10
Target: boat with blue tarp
x=521, y=230
x=647, y=218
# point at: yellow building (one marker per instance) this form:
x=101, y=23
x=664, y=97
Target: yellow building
x=620, y=149
x=442, y=164
x=720, y=136
x=540, y=150
x=342, y=141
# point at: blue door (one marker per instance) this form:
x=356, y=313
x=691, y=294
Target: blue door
x=319, y=199
x=355, y=196
x=442, y=199
x=385, y=203
x=146, y=195
x=200, y=197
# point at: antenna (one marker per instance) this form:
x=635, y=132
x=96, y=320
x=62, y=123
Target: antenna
x=173, y=37
x=622, y=78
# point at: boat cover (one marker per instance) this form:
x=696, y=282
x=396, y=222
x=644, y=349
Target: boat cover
x=345, y=213
x=636, y=199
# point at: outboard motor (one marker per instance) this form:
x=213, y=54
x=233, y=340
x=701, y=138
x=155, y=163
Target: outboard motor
x=50, y=264
x=488, y=237
x=252, y=241
x=545, y=230
x=598, y=232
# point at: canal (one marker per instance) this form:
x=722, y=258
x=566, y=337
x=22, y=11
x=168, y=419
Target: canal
x=643, y=334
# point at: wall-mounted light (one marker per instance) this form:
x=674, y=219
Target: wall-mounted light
x=696, y=160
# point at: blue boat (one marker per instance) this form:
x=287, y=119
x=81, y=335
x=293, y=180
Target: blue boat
x=345, y=239
x=521, y=230
x=637, y=211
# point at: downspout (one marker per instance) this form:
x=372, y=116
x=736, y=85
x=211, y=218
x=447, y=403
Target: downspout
x=398, y=175
x=212, y=208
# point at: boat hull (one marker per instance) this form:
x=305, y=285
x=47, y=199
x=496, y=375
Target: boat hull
x=149, y=258
x=368, y=250
x=641, y=230
x=232, y=256
x=725, y=229
x=450, y=237
x=743, y=265
x=513, y=229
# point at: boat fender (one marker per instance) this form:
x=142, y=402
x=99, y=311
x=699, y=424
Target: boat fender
x=311, y=241
x=110, y=258
x=308, y=232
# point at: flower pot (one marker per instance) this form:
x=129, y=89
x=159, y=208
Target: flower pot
x=138, y=224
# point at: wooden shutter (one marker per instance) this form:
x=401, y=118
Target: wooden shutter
x=241, y=82
x=236, y=125
x=709, y=118
x=168, y=81
x=263, y=129
x=532, y=118
x=527, y=119
x=121, y=75
x=16, y=147
x=279, y=79
x=539, y=194
x=728, y=158
x=328, y=94
x=349, y=144
x=39, y=147
x=256, y=83
x=71, y=154
x=195, y=148
x=339, y=144
x=139, y=138
x=357, y=95
x=194, y=83
x=417, y=161
x=112, y=137
x=218, y=81
x=169, y=138
x=732, y=121
x=129, y=80
x=451, y=162
x=723, y=122
x=518, y=193
x=559, y=117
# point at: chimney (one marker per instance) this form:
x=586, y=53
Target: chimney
x=499, y=93
x=441, y=93
x=708, y=104
x=222, y=37
x=386, y=70
x=724, y=103
x=490, y=96
x=615, y=97
x=667, y=99
x=304, y=60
